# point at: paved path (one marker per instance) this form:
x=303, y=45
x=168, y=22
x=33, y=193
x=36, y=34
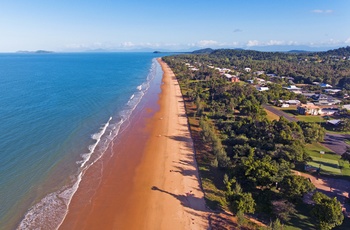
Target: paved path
x=279, y=113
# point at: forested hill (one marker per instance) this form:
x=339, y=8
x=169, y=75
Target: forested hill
x=258, y=55
x=344, y=51
x=331, y=67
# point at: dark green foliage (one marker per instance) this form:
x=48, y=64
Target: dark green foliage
x=294, y=187
x=327, y=211
x=239, y=201
x=312, y=131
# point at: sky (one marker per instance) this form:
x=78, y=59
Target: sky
x=177, y=25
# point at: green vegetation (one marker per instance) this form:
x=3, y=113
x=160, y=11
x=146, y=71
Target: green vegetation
x=330, y=162
x=327, y=211
x=245, y=155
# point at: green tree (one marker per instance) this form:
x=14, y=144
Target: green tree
x=327, y=211
x=294, y=187
x=263, y=172
x=346, y=154
x=239, y=201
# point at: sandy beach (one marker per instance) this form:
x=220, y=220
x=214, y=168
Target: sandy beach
x=151, y=180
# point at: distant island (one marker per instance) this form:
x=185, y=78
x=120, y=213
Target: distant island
x=35, y=52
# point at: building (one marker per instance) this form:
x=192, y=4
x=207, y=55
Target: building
x=324, y=85
x=334, y=122
x=308, y=109
x=332, y=91
x=261, y=88
x=323, y=99
x=328, y=111
x=247, y=69
x=292, y=102
x=231, y=78
x=293, y=89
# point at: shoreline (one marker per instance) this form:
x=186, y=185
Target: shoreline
x=151, y=179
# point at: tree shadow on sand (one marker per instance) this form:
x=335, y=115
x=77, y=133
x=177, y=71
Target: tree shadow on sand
x=187, y=200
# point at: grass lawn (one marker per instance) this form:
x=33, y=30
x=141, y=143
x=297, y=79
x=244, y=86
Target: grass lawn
x=271, y=116
x=326, y=164
x=302, y=219
x=315, y=148
x=309, y=118
x=328, y=160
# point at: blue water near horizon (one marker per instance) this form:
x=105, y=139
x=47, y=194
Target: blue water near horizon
x=58, y=114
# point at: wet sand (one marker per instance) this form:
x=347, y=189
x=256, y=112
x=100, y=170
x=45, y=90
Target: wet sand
x=151, y=180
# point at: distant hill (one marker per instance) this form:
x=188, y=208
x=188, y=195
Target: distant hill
x=34, y=52
x=344, y=52
x=203, y=51
x=298, y=51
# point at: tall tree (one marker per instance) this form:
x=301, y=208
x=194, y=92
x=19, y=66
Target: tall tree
x=327, y=211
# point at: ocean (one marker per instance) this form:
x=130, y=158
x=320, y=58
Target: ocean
x=58, y=114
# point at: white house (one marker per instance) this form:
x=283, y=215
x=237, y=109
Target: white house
x=294, y=89
x=261, y=88
x=247, y=69
x=324, y=85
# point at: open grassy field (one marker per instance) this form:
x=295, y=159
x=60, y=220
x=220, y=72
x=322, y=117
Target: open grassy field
x=326, y=164
x=330, y=162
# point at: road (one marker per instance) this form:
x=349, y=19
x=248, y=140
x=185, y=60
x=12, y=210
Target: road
x=336, y=142
x=279, y=113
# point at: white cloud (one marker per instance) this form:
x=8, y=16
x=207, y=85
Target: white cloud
x=318, y=11
x=275, y=43
x=347, y=41
x=204, y=43
x=253, y=43
x=127, y=44
x=237, y=31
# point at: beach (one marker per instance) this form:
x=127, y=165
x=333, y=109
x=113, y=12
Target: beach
x=150, y=179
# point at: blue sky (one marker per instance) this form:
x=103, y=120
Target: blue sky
x=78, y=25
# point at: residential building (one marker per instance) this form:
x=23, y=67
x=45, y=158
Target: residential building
x=308, y=109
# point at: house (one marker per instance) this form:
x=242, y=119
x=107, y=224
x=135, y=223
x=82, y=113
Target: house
x=320, y=97
x=324, y=85
x=293, y=89
x=285, y=105
x=260, y=80
x=323, y=99
x=347, y=107
x=293, y=102
x=334, y=122
x=231, y=78
x=258, y=73
x=250, y=81
x=308, y=109
x=332, y=91
x=328, y=111
x=247, y=69
x=261, y=88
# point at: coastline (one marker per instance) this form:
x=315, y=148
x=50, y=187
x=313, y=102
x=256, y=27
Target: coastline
x=152, y=181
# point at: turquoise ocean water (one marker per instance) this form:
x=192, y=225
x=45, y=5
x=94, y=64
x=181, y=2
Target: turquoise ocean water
x=58, y=114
